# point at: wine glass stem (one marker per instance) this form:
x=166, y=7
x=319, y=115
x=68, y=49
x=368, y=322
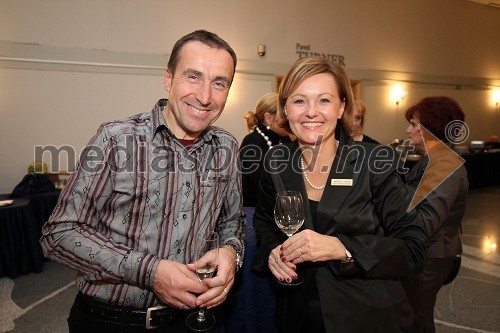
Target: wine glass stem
x=201, y=315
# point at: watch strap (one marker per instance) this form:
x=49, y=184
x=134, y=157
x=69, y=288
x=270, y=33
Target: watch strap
x=348, y=257
x=239, y=260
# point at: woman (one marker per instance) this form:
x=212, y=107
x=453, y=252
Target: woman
x=354, y=122
x=442, y=202
x=265, y=134
x=357, y=237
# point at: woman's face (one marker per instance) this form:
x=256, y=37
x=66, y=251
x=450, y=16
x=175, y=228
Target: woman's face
x=415, y=135
x=314, y=108
x=355, y=123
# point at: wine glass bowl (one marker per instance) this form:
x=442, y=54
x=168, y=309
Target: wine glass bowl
x=289, y=217
x=205, y=272
x=206, y=258
x=289, y=211
x=207, y=263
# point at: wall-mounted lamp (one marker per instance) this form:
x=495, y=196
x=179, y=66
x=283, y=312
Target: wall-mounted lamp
x=398, y=94
x=496, y=97
x=261, y=49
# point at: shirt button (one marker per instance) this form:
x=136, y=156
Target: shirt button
x=179, y=251
x=188, y=184
x=184, y=216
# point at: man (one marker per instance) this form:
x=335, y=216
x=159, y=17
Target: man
x=144, y=187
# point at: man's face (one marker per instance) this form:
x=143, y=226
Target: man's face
x=198, y=90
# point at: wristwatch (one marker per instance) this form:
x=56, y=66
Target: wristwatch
x=348, y=257
x=239, y=260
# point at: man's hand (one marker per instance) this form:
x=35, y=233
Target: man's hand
x=220, y=284
x=176, y=285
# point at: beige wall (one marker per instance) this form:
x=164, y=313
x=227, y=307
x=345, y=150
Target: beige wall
x=67, y=66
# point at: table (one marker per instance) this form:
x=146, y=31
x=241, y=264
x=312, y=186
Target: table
x=43, y=204
x=20, y=232
x=483, y=169
x=250, y=306
x=20, y=250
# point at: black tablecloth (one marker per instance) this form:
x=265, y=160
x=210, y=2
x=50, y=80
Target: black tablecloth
x=250, y=306
x=20, y=231
x=21, y=252
x=43, y=204
x=483, y=169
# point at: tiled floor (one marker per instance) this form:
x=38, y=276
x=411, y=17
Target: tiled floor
x=41, y=302
x=472, y=302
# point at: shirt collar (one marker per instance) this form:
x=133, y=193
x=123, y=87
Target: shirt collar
x=157, y=121
x=159, y=124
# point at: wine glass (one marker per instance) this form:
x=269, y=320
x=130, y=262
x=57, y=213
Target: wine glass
x=206, y=258
x=289, y=217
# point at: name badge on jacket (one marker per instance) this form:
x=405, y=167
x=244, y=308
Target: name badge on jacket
x=341, y=182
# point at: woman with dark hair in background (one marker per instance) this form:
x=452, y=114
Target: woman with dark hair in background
x=439, y=183
x=266, y=133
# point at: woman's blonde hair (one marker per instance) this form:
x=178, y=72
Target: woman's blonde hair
x=360, y=105
x=303, y=69
x=267, y=103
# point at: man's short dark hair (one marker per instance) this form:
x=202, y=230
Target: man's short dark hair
x=207, y=38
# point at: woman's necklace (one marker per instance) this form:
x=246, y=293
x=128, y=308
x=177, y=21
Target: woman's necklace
x=269, y=143
x=304, y=172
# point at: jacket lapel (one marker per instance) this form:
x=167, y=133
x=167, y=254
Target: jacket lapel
x=341, y=181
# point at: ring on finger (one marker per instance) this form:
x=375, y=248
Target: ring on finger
x=276, y=260
x=225, y=290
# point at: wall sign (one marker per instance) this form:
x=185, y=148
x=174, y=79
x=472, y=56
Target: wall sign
x=304, y=50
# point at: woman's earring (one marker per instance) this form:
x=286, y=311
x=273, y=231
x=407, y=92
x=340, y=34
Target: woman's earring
x=268, y=127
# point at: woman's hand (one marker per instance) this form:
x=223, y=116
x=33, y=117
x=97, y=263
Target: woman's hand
x=281, y=270
x=309, y=245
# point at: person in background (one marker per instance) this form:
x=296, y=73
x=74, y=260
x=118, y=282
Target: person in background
x=265, y=134
x=354, y=121
x=443, y=208
x=357, y=238
x=144, y=187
